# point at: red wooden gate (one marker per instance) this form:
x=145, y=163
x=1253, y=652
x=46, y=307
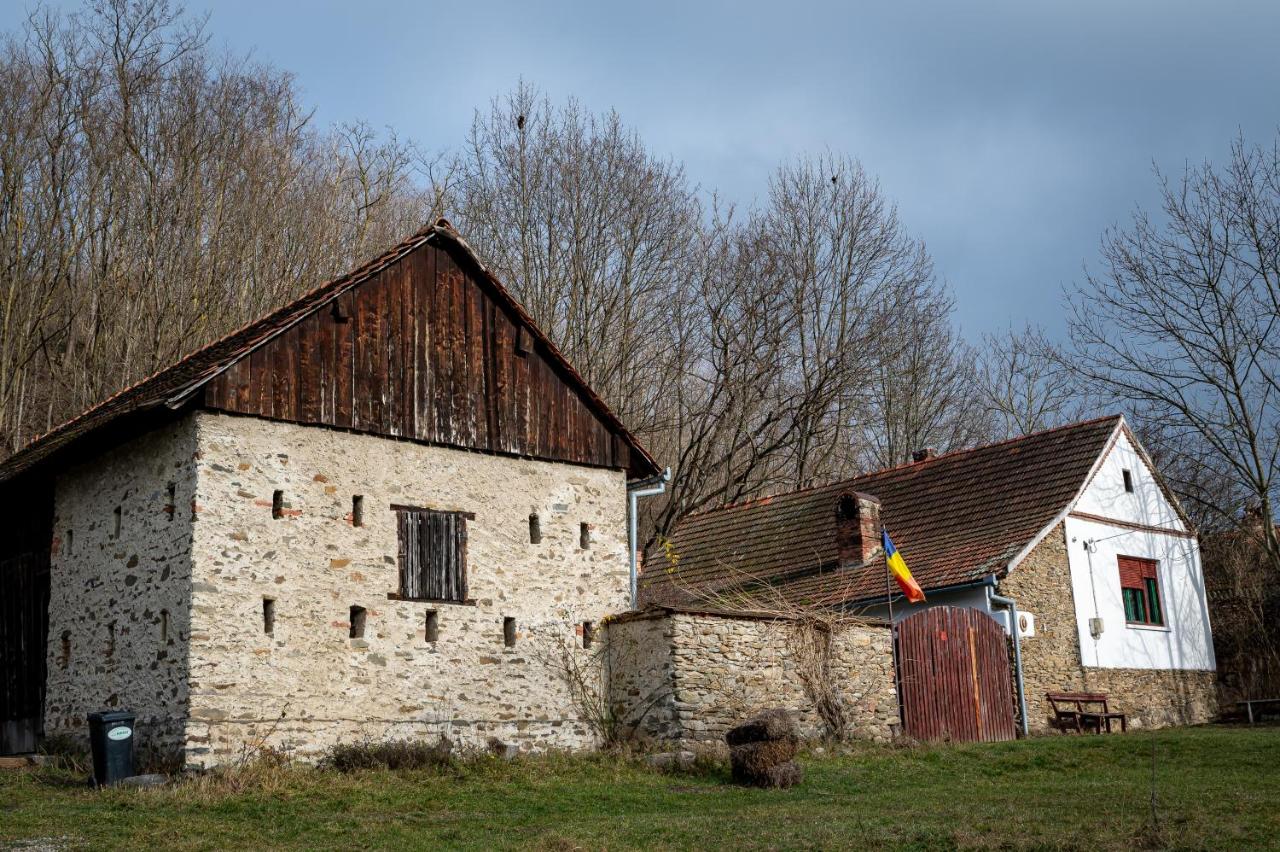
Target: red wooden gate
x=953, y=676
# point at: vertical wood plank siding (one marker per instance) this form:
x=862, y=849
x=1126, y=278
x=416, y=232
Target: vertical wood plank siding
x=953, y=676
x=425, y=353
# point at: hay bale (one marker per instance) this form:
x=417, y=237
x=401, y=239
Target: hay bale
x=755, y=758
x=775, y=724
x=784, y=775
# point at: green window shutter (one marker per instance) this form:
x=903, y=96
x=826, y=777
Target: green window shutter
x=1153, y=598
x=1135, y=609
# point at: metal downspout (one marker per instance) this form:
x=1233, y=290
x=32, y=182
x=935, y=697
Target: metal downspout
x=1012, y=606
x=650, y=487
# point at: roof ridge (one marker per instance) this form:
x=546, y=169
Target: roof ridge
x=993, y=444
x=743, y=504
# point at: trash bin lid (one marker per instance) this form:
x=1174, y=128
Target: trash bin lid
x=106, y=717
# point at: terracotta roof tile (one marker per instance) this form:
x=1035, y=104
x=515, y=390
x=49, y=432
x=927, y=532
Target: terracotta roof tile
x=956, y=518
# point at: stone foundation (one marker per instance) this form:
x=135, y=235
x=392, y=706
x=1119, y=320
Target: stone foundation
x=692, y=676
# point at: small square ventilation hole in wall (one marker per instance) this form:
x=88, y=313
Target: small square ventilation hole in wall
x=535, y=529
x=588, y=633
x=358, y=616
x=433, y=626
x=119, y=514
x=357, y=510
x=509, y=632
x=277, y=504
x=584, y=535
x=269, y=616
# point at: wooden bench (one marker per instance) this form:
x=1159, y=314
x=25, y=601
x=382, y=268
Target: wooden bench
x=1081, y=711
x=1249, y=702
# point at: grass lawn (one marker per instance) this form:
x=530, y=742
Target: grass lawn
x=1217, y=787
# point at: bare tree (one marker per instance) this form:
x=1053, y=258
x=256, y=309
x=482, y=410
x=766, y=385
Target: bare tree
x=1023, y=384
x=1182, y=325
x=923, y=390
x=591, y=231
x=154, y=196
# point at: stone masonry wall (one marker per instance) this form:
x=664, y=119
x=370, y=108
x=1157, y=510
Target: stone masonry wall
x=308, y=684
x=120, y=589
x=1041, y=584
x=719, y=670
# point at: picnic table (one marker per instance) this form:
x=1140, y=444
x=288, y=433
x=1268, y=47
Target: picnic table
x=1081, y=711
x=1249, y=702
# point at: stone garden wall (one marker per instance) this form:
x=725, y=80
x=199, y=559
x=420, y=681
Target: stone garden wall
x=695, y=675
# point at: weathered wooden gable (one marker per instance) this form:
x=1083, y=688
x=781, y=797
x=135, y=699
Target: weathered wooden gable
x=428, y=350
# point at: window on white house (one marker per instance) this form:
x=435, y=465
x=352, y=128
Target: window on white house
x=1140, y=590
x=1128, y=480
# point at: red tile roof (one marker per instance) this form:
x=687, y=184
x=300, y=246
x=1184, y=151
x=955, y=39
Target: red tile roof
x=956, y=518
x=178, y=381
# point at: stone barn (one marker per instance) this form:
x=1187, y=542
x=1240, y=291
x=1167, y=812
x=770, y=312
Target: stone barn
x=348, y=519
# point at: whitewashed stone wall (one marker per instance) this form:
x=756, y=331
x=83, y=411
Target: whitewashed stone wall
x=309, y=685
x=709, y=672
x=119, y=601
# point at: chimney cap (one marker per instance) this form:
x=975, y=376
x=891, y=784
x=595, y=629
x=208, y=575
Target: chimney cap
x=923, y=454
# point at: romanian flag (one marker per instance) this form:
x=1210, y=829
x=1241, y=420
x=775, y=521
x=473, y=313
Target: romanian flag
x=898, y=568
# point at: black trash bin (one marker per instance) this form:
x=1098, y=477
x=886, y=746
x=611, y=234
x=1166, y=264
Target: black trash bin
x=111, y=740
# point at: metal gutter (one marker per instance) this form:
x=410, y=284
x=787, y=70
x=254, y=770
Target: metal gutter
x=650, y=487
x=1012, y=606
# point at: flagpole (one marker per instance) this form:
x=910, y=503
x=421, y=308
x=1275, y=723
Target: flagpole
x=893, y=630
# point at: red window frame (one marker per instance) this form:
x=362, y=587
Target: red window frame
x=1140, y=591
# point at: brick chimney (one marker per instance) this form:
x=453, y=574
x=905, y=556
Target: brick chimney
x=923, y=454
x=857, y=528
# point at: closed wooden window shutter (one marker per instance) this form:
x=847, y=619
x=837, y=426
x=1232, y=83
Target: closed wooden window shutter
x=1135, y=571
x=433, y=555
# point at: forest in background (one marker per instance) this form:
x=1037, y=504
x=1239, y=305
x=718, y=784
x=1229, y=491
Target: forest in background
x=155, y=195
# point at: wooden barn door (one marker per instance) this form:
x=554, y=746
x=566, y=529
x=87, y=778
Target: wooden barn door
x=23, y=625
x=24, y=613
x=953, y=676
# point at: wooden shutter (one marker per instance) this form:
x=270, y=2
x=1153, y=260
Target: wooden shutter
x=1133, y=571
x=433, y=555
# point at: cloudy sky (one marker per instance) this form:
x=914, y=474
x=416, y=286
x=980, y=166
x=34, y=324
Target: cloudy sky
x=1011, y=134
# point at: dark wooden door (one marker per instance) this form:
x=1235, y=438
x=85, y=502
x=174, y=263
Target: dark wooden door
x=953, y=676
x=24, y=623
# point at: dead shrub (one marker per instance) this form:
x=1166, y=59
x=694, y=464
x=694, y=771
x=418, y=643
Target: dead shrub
x=67, y=754
x=389, y=754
